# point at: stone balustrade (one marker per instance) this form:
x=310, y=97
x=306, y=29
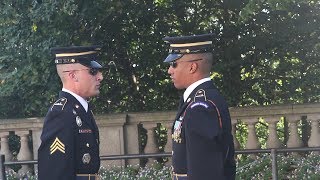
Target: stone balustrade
x=120, y=133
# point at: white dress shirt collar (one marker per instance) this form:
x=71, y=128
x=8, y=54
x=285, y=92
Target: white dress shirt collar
x=82, y=101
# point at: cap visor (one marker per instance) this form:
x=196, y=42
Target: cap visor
x=95, y=64
x=173, y=57
x=92, y=64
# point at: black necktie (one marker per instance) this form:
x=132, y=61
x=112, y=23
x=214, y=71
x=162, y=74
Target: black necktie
x=181, y=102
x=93, y=122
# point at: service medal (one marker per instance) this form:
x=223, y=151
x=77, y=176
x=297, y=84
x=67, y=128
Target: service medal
x=177, y=136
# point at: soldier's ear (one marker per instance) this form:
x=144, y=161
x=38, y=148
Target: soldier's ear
x=75, y=78
x=72, y=75
x=193, y=67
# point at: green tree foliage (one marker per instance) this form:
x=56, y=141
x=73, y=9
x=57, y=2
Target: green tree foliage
x=266, y=51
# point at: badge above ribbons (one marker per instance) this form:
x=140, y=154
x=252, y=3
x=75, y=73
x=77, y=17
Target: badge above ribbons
x=86, y=158
x=78, y=121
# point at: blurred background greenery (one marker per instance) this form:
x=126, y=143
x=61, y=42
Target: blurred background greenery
x=266, y=52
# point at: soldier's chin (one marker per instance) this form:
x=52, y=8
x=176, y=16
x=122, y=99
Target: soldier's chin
x=178, y=87
x=97, y=92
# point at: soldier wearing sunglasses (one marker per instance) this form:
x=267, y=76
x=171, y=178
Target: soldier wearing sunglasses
x=202, y=145
x=69, y=147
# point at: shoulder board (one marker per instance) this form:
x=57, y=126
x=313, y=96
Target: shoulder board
x=59, y=104
x=200, y=99
x=200, y=95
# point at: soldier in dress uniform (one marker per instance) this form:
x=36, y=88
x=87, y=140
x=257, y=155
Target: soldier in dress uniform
x=69, y=147
x=202, y=140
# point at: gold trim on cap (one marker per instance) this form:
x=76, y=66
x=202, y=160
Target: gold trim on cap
x=75, y=54
x=191, y=44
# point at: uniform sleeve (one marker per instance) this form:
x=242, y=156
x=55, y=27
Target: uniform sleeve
x=202, y=119
x=56, y=153
x=204, y=156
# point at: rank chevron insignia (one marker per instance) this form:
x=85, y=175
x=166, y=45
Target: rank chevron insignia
x=57, y=145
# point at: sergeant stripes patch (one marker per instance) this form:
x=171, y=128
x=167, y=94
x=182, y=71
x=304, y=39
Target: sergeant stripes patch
x=57, y=145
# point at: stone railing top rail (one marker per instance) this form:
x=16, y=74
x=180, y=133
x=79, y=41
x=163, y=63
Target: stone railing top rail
x=275, y=110
x=23, y=124
x=167, y=116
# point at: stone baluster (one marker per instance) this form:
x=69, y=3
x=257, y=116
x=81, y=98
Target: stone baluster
x=235, y=140
x=24, y=152
x=168, y=147
x=5, y=146
x=252, y=142
x=273, y=139
x=131, y=145
x=294, y=139
x=314, y=140
x=36, y=141
x=151, y=143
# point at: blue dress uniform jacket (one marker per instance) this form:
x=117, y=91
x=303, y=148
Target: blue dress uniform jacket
x=202, y=140
x=69, y=141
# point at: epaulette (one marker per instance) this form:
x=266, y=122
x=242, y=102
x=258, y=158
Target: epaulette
x=59, y=104
x=200, y=99
x=200, y=95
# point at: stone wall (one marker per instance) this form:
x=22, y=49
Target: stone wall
x=119, y=132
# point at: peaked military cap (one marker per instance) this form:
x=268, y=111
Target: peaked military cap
x=188, y=45
x=85, y=55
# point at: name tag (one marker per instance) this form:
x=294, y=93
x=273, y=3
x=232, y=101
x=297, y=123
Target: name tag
x=85, y=131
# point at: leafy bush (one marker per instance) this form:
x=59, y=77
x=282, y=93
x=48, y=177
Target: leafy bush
x=292, y=166
x=157, y=172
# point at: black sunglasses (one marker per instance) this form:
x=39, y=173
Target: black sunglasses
x=92, y=71
x=174, y=64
